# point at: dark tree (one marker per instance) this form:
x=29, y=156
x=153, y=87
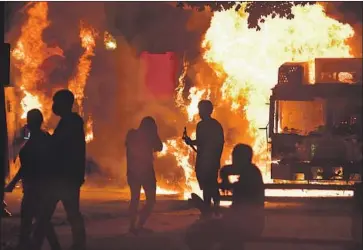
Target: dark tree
x=257, y=10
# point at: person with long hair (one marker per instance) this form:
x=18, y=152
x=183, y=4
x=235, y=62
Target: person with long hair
x=141, y=143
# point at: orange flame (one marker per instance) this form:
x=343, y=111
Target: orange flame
x=28, y=55
x=109, y=41
x=29, y=102
x=89, y=130
x=250, y=59
x=162, y=191
x=246, y=61
x=78, y=83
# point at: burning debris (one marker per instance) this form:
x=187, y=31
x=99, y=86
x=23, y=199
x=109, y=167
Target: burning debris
x=110, y=41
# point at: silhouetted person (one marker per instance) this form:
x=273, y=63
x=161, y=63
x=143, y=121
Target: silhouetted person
x=245, y=217
x=141, y=144
x=248, y=197
x=249, y=188
x=66, y=177
x=209, y=142
x=33, y=159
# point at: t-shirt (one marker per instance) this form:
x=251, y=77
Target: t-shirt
x=249, y=190
x=34, y=158
x=210, y=141
x=140, y=147
x=69, y=149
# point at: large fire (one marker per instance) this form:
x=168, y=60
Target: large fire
x=78, y=83
x=245, y=63
x=30, y=53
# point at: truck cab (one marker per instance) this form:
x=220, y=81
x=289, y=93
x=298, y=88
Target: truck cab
x=315, y=129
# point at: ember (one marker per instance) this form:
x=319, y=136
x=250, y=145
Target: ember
x=110, y=41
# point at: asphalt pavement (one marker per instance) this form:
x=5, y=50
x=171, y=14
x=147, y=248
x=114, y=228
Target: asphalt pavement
x=313, y=224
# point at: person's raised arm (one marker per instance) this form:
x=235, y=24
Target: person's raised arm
x=197, y=135
x=157, y=143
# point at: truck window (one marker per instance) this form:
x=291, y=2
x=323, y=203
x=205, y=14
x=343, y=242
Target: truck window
x=300, y=117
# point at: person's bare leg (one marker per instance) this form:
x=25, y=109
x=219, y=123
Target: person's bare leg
x=135, y=189
x=150, y=193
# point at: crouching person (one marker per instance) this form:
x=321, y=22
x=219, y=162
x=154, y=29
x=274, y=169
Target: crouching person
x=245, y=218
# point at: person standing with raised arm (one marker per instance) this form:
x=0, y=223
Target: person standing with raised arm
x=141, y=143
x=209, y=142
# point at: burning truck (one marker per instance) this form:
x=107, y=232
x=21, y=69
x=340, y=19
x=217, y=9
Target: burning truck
x=315, y=130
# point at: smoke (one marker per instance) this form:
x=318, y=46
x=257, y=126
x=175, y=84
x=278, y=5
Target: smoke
x=116, y=89
x=115, y=93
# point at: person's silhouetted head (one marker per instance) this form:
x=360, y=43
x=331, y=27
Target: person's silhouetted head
x=148, y=124
x=242, y=154
x=63, y=102
x=205, y=108
x=34, y=119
